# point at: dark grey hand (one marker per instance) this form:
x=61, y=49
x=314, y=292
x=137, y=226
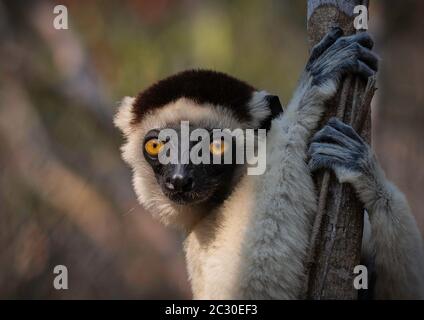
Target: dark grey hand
x=335, y=56
x=338, y=147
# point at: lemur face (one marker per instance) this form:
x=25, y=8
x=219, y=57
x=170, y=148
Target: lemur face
x=190, y=181
x=176, y=191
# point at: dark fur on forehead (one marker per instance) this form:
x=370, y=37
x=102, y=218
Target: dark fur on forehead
x=202, y=86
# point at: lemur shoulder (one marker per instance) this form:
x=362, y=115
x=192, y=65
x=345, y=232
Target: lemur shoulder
x=247, y=236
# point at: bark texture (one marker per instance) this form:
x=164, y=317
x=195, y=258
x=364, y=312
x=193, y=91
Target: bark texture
x=337, y=232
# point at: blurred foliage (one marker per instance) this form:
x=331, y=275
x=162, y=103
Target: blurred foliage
x=134, y=47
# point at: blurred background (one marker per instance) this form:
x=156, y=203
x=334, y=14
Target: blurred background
x=65, y=194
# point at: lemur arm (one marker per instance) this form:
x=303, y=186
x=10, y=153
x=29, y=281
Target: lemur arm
x=277, y=238
x=395, y=238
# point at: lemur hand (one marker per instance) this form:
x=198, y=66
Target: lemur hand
x=335, y=56
x=338, y=147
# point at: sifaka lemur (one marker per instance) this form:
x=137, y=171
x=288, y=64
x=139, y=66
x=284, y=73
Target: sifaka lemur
x=247, y=236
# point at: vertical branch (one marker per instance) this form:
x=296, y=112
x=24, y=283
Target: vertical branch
x=337, y=231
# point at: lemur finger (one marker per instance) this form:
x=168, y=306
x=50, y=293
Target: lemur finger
x=353, y=65
x=363, y=70
x=363, y=38
x=369, y=57
x=329, y=134
x=329, y=39
x=337, y=152
x=345, y=129
x=322, y=162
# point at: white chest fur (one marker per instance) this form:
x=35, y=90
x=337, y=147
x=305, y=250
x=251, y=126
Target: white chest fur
x=213, y=246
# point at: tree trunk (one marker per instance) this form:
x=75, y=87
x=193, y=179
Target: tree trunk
x=337, y=231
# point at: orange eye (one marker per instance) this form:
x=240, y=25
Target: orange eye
x=153, y=147
x=218, y=147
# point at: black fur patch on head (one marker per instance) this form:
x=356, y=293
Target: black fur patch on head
x=201, y=86
x=276, y=109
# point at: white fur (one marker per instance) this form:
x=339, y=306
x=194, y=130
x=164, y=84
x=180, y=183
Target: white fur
x=258, y=107
x=277, y=237
x=213, y=246
x=124, y=115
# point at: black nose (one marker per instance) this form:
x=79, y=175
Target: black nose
x=180, y=183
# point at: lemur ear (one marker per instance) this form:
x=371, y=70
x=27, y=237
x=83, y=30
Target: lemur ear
x=124, y=115
x=275, y=106
x=274, y=109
